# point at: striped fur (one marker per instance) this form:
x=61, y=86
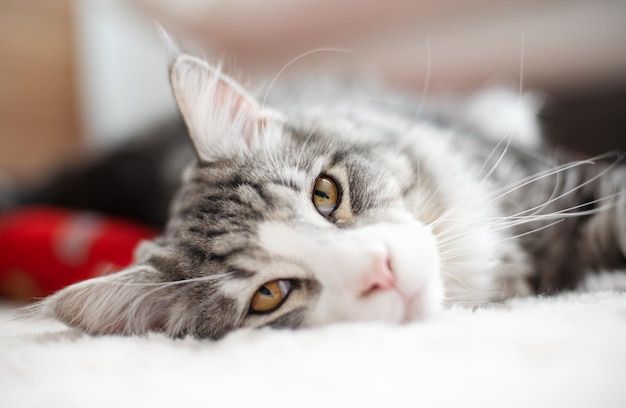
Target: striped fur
x=458, y=218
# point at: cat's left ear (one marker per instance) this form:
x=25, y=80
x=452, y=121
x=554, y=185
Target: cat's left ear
x=128, y=302
x=222, y=118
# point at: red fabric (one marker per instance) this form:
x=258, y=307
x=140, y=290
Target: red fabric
x=44, y=249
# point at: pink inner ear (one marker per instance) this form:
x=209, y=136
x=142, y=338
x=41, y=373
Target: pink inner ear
x=224, y=92
x=242, y=108
x=222, y=117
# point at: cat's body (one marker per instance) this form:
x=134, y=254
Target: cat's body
x=350, y=206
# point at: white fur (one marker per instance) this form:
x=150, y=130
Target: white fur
x=467, y=221
x=539, y=352
x=470, y=240
x=499, y=112
x=341, y=260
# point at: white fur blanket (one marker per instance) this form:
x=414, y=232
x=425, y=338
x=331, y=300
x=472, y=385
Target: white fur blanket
x=568, y=351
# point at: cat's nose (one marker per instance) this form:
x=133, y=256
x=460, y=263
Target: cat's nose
x=380, y=276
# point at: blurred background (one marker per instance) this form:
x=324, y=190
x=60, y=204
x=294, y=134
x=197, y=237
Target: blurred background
x=77, y=76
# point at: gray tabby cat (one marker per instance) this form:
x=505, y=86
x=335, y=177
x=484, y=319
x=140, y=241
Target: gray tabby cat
x=343, y=208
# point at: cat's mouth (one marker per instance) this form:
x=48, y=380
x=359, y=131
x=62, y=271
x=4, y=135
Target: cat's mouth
x=383, y=278
x=383, y=272
x=417, y=286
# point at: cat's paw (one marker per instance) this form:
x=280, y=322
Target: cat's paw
x=606, y=280
x=516, y=286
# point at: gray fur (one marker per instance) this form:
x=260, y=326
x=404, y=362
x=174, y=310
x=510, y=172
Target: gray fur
x=392, y=158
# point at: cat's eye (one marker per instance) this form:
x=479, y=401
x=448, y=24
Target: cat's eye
x=270, y=296
x=325, y=195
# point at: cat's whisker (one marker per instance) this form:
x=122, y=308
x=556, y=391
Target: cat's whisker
x=135, y=316
x=559, y=169
x=427, y=76
x=160, y=285
x=455, y=248
x=293, y=61
x=425, y=203
x=447, y=276
x=303, y=148
x=505, y=225
x=450, y=210
x=457, y=251
x=506, y=222
x=461, y=299
x=533, y=231
x=511, y=188
x=495, y=165
x=521, y=68
x=468, y=299
x=570, y=191
x=561, y=214
x=532, y=179
x=267, y=150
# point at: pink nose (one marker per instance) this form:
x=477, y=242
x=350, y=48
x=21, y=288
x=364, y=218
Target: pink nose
x=379, y=277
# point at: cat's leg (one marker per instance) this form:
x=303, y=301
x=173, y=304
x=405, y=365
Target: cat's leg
x=584, y=231
x=602, y=241
x=604, y=281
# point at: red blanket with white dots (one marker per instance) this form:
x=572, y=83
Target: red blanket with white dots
x=43, y=249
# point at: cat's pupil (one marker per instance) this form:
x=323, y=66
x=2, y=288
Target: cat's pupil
x=325, y=195
x=266, y=292
x=322, y=194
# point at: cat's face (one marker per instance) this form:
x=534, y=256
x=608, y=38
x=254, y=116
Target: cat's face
x=303, y=237
x=282, y=222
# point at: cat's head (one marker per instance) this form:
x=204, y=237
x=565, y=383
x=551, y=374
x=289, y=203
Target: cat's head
x=287, y=218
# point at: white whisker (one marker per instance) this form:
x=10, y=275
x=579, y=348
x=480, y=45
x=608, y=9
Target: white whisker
x=493, y=168
x=160, y=285
x=521, y=67
x=427, y=76
x=296, y=59
x=534, y=230
x=570, y=191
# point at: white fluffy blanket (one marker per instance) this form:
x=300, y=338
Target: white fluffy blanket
x=568, y=351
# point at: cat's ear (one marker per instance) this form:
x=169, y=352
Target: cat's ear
x=222, y=118
x=127, y=302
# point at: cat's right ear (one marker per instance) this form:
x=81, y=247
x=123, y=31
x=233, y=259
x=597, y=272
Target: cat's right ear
x=222, y=118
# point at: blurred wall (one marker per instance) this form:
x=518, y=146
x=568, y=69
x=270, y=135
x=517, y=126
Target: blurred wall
x=75, y=76
x=38, y=117
x=574, y=50
x=80, y=75
x=122, y=75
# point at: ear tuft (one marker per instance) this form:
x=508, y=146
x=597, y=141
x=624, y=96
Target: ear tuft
x=222, y=118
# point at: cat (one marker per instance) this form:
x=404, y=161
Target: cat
x=327, y=203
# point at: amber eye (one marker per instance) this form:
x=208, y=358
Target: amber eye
x=325, y=195
x=270, y=296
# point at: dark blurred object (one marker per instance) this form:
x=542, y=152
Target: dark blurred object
x=590, y=123
x=135, y=180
